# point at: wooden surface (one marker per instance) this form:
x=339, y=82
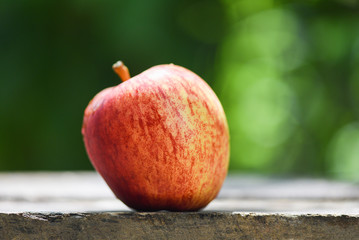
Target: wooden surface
x=86, y=191
x=79, y=205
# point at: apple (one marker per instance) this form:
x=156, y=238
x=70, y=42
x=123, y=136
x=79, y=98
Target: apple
x=160, y=139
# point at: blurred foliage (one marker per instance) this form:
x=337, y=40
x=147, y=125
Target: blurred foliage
x=285, y=71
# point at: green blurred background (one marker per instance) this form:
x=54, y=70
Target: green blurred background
x=286, y=73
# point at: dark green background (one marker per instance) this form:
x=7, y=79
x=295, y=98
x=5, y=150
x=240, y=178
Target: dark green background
x=286, y=72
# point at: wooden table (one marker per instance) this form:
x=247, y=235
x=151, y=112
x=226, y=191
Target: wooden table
x=79, y=205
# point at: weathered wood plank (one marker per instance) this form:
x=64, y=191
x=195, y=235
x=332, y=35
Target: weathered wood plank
x=166, y=225
x=79, y=205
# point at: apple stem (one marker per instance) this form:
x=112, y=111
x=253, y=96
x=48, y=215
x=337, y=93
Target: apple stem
x=121, y=70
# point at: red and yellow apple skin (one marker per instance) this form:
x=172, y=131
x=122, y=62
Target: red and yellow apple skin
x=160, y=140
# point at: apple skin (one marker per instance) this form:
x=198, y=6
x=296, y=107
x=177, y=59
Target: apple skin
x=160, y=140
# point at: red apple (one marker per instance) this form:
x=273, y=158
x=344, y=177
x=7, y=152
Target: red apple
x=159, y=139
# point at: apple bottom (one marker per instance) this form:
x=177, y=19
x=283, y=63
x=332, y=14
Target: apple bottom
x=156, y=190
